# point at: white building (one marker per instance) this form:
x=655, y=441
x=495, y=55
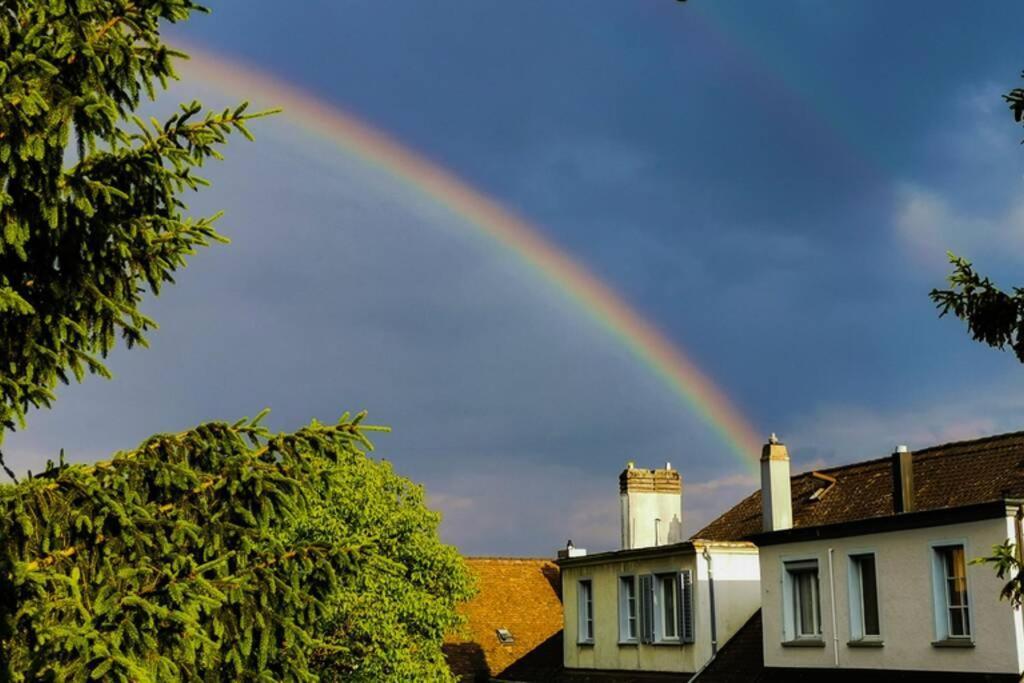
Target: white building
x=866, y=569
x=661, y=605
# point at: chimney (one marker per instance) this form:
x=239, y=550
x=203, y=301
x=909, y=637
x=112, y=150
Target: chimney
x=651, y=503
x=902, y=480
x=776, y=495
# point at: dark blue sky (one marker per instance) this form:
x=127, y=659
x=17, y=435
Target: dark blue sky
x=773, y=184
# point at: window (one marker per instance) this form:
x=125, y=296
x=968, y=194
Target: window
x=863, y=597
x=585, y=594
x=628, y=631
x=801, y=604
x=953, y=617
x=666, y=607
x=668, y=597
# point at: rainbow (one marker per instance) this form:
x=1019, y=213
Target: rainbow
x=604, y=306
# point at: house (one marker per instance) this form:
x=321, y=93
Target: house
x=866, y=572
x=513, y=629
x=657, y=608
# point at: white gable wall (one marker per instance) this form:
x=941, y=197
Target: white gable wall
x=906, y=612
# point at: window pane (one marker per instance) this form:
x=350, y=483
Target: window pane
x=955, y=569
x=869, y=594
x=806, y=595
x=956, y=622
x=668, y=594
x=586, y=610
x=628, y=608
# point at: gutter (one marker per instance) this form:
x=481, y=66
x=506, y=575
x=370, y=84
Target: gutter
x=832, y=593
x=714, y=627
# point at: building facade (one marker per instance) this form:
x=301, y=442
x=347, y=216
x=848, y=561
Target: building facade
x=866, y=569
x=660, y=604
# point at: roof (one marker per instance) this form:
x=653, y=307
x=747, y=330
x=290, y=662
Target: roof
x=954, y=475
x=649, y=552
x=523, y=596
x=742, y=659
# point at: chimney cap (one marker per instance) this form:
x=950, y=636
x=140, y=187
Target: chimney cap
x=902, y=449
x=773, y=440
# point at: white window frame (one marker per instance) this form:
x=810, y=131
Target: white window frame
x=625, y=638
x=585, y=611
x=940, y=597
x=789, y=598
x=855, y=595
x=660, y=580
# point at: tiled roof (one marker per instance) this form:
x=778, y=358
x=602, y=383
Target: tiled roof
x=947, y=476
x=522, y=596
x=742, y=659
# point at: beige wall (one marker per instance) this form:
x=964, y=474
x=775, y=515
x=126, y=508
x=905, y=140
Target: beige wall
x=906, y=612
x=737, y=597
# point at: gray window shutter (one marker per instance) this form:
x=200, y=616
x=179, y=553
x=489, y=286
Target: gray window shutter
x=646, y=608
x=685, y=610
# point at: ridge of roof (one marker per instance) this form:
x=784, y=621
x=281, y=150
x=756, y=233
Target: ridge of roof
x=506, y=558
x=929, y=451
x=985, y=469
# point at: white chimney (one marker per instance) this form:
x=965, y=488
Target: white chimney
x=651, y=503
x=776, y=495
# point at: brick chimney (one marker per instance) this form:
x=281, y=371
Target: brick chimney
x=902, y=480
x=776, y=495
x=651, y=502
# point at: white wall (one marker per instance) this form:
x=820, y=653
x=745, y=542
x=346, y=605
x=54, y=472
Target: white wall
x=737, y=595
x=640, y=509
x=906, y=613
x=736, y=598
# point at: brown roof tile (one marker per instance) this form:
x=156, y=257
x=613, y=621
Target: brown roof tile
x=947, y=476
x=522, y=595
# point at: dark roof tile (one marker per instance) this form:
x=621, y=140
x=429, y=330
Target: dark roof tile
x=947, y=476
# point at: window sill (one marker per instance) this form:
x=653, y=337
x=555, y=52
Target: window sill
x=585, y=643
x=953, y=642
x=629, y=643
x=866, y=642
x=804, y=642
x=673, y=643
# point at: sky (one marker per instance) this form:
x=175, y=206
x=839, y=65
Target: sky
x=774, y=186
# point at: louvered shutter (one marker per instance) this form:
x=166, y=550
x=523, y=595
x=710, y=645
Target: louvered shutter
x=685, y=611
x=647, y=608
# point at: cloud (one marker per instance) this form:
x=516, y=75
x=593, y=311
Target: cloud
x=838, y=434
x=969, y=196
x=930, y=226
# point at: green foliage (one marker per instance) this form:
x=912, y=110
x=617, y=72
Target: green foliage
x=221, y=553
x=992, y=316
x=387, y=621
x=1009, y=568
x=168, y=562
x=80, y=242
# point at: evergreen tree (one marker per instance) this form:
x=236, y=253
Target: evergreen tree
x=168, y=562
x=221, y=553
x=81, y=242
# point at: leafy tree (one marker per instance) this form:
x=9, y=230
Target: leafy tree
x=993, y=316
x=1008, y=566
x=386, y=621
x=221, y=553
